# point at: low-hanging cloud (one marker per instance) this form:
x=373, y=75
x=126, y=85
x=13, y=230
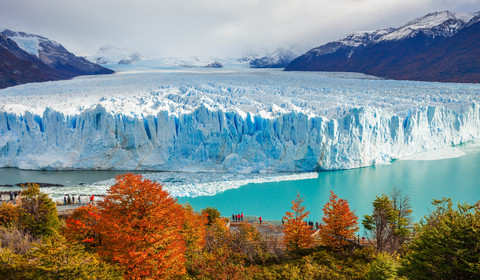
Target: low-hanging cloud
x=210, y=27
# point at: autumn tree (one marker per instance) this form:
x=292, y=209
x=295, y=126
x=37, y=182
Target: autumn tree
x=141, y=229
x=81, y=226
x=339, y=223
x=8, y=214
x=390, y=224
x=37, y=212
x=298, y=233
x=224, y=255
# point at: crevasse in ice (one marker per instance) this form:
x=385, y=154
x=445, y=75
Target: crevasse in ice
x=246, y=121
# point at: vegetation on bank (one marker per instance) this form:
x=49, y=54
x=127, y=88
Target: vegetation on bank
x=140, y=232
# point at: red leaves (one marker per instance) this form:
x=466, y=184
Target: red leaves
x=81, y=226
x=340, y=223
x=141, y=228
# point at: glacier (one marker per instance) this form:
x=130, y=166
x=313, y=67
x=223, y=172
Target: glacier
x=230, y=120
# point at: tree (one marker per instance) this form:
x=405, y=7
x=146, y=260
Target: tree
x=81, y=226
x=298, y=233
x=37, y=212
x=8, y=214
x=194, y=230
x=211, y=213
x=340, y=224
x=402, y=226
x=224, y=255
x=390, y=224
x=446, y=245
x=141, y=229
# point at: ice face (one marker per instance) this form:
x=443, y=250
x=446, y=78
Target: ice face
x=236, y=121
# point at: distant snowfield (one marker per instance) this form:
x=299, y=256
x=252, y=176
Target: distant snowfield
x=230, y=120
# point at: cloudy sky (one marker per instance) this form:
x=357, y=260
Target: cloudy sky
x=217, y=28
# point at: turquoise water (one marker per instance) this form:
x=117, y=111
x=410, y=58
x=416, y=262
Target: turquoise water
x=422, y=180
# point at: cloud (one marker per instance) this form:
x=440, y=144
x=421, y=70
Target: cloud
x=210, y=27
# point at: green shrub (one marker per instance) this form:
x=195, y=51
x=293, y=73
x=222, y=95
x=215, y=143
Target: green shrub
x=384, y=267
x=37, y=212
x=447, y=244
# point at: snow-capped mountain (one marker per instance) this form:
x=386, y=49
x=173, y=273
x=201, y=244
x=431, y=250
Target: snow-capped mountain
x=439, y=24
x=353, y=41
x=18, y=66
x=108, y=54
x=390, y=52
x=278, y=59
x=54, y=55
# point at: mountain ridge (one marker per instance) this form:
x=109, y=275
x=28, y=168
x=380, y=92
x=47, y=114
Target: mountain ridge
x=394, y=54
x=39, y=59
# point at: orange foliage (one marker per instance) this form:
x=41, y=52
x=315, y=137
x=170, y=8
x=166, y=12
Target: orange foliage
x=80, y=226
x=340, y=223
x=298, y=234
x=8, y=214
x=141, y=229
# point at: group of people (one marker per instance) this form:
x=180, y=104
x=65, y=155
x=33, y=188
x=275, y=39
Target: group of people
x=13, y=195
x=315, y=225
x=237, y=217
x=67, y=199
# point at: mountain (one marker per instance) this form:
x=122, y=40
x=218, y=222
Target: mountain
x=277, y=59
x=108, y=54
x=401, y=53
x=39, y=59
x=17, y=66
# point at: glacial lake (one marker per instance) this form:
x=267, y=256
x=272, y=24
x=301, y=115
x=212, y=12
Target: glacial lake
x=453, y=173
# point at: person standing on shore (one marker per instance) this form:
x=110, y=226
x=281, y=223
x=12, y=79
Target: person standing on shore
x=64, y=200
x=260, y=219
x=91, y=199
x=241, y=217
x=73, y=198
x=79, y=200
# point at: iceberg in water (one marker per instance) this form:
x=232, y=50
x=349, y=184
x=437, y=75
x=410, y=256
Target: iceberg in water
x=234, y=121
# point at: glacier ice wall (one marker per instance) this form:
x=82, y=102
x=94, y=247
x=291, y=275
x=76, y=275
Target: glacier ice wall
x=212, y=139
